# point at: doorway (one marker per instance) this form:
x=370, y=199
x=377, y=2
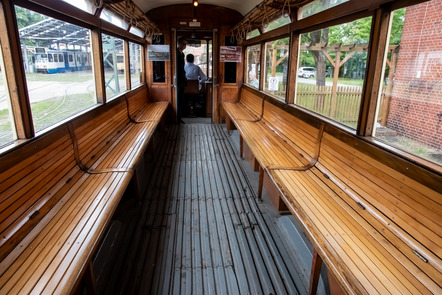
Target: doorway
x=199, y=94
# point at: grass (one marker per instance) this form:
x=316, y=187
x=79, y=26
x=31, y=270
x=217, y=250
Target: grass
x=83, y=76
x=413, y=147
x=50, y=111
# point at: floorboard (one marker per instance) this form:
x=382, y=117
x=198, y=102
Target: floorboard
x=199, y=228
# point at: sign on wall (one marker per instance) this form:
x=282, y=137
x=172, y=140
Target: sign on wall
x=158, y=53
x=230, y=53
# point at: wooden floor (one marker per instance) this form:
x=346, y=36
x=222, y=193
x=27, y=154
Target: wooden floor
x=199, y=229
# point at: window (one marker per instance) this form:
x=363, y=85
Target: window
x=409, y=115
x=253, y=34
x=330, y=78
x=277, y=53
x=137, y=32
x=85, y=5
x=277, y=23
x=113, y=60
x=7, y=127
x=114, y=19
x=135, y=64
x=56, y=90
x=317, y=6
x=253, y=65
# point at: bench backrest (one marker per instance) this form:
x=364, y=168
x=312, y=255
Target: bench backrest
x=96, y=132
x=251, y=101
x=27, y=187
x=292, y=129
x=407, y=203
x=137, y=99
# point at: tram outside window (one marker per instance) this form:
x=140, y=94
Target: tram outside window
x=113, y=60
x=56, y=90
x=135, y=64
x=7, y=130
x=317, y=6
x=276, y=67
x=253, y=65
x=334, y=91
x=409, y=113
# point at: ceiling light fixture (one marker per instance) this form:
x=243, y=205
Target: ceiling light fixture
x=195, y=3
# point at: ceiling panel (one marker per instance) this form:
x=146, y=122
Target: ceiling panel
x=242, y=6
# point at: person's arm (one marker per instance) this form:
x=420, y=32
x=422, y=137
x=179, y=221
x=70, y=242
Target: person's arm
x=202, y=76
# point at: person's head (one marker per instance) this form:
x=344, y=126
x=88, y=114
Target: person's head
x=181, y=43
x=190, y=58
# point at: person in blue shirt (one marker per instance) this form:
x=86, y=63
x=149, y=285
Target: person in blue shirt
x=194, y=72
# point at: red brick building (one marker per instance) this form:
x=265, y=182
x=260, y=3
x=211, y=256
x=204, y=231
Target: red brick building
x=416, y=98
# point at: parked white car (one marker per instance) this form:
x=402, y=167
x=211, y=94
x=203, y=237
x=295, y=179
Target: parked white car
x=307, y=72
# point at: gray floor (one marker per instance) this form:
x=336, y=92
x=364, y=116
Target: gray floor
x=199, y=229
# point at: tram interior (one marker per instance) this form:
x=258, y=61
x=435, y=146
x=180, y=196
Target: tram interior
x=307, y=158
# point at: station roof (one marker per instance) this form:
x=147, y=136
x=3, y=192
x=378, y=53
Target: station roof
x=56, y=31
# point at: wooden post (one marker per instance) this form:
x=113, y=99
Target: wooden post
x=126, y=54
x=13, y=67
x=315, y=273
x=387, y=98
x=335, y=84
x=97, y=50
x=261, y=181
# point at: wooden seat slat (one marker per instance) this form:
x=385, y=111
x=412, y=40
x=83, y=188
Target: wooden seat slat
x=49, y=252
x=294, y=183
x=395, y=202
x=375, y=219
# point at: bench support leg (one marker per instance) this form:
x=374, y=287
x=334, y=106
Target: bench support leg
x=315, y=273
x=261, y=182
x=241, y=146
x=256, y=165
x=89, y=280
x=228, y=124
x=135, y=186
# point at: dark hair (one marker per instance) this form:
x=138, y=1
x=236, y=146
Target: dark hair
x=190, y=57
x=181, y=40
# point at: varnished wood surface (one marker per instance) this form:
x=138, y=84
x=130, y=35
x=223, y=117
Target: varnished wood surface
x=199, y=228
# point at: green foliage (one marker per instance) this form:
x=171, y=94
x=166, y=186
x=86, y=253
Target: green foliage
x=277, y=23
x=397, y=26
x=27, y=17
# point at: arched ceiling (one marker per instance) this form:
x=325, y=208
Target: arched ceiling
x=242, y=6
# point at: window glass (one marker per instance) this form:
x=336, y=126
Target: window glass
x=57, y=89
x=253, y=65
x=277, y=53
x=333, y=91
x=277, y=23
x=85, y=5
x=199, y=50
x=252, y=34
x=113, y=60
x=317, y=6
x=112, y=18
x=135, y=64
x=410, y=104
x=137, y=32
x=6, y=119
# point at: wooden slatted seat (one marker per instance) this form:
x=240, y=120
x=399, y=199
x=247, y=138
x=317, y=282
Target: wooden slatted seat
x=142, y=109
x=52, y=215
x=373, y=218
x=249, y=108
x=378, y=229
x=58, y=194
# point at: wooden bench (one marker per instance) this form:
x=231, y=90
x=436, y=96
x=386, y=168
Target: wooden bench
x=374, y=219
x=249, y=107
x=58, y=194
x=276, y=139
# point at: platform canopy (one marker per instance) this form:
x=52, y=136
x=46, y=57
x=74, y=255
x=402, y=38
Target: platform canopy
x=56, y=32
